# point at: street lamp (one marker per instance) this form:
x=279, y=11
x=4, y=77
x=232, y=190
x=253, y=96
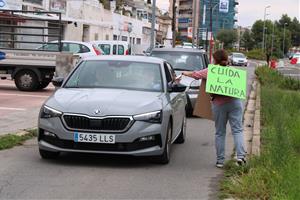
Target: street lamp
x=272, y=39
x=263, y=42
x=284, y=37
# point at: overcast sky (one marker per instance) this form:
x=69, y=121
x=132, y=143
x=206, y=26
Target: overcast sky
x=252, y=10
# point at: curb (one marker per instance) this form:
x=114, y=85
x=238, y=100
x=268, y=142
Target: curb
x=252, y=120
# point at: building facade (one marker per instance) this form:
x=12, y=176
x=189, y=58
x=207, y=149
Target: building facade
x=224, y=15
x=187, y=18
x=88, y=20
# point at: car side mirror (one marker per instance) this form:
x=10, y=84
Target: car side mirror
x=57, y=81
x=172, y=87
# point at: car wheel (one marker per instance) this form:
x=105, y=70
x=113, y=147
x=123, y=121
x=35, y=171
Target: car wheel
x=26, y=80
x=48, y=154
x=182, y=135
x=189, y=108
x=43, y=84
x=165, y=157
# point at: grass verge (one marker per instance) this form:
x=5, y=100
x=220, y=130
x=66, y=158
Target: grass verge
x=275, y=174
x=11, y=140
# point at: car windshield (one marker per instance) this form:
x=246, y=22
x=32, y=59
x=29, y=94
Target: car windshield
x=181, y=60
x=239, y=55
x=117, y=74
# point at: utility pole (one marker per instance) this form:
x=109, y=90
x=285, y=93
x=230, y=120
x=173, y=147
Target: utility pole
x=210, y=43
x=272, y=48
x=263, y=39
x=174, y=23
x=153, y=25
x=194, y=21
x=284, y=37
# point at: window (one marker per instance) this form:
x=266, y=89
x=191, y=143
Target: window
x=106, y=37
x=115, y=37
x=168, y=73
x=138, y=40
x=117, y=74
x=105, y=48
x=120, y=50
x=124, y=38
x=84, y=49
x=49, y=47
x=74, y=48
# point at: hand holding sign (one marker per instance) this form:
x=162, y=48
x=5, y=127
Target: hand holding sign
x=226, y=81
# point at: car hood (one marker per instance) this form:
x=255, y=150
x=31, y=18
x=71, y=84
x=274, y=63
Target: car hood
x=188, y=81
x=107, y=101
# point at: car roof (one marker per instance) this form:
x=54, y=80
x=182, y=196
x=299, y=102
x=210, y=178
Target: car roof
x=190, y=50
x=109, y=42
x=146, y=59
x=70, y=41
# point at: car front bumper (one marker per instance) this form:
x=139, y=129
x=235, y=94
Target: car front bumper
x=127, y=143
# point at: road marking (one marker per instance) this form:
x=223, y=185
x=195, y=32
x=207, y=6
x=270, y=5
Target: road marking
x=17, y=109
x=24, y=95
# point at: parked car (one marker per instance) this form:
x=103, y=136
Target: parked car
x=82, y=49
x=113, y=47
x=185, y=60
x=115, y=105
x=238, y=59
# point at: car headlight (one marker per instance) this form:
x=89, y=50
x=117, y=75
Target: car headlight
x=48, y=112
x=152, y=117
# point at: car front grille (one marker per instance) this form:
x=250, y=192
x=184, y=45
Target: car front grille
x=107, y=124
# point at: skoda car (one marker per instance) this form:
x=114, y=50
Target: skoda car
x=115, y=105
x=185, y=60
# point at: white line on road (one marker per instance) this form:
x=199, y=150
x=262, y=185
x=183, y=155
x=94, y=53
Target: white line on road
x=23, y=95
x=17, y=109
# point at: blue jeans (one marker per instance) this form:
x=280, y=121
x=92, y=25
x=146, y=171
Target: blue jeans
x=232, y=112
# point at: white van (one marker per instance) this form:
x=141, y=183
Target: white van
x=113, y=47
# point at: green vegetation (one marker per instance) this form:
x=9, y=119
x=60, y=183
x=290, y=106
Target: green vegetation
x=11, y=140
x=275, y=174
x=227, y=37
x=256, y=54
x=253, y=39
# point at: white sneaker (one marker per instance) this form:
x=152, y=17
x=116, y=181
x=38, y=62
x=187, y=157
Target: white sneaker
x=219, y=165
x=241, y=161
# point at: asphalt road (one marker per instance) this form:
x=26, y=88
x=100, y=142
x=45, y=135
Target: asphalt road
x=191, y=174
x=289, y=70
x=19, y=110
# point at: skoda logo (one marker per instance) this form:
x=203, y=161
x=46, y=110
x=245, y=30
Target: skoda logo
x=97, y=111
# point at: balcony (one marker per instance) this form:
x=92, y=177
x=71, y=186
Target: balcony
x=185, y=15
x=185, y=7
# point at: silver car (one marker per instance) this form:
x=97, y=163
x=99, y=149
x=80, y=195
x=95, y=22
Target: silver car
x=185, y=60
x=115, y=105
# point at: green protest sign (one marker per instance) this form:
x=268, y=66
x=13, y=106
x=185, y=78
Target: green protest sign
x=226, y=81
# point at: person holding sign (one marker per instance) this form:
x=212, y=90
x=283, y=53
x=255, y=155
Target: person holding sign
x=226, y=87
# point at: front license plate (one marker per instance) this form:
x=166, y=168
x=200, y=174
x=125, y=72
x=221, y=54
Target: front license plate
x=94, y=138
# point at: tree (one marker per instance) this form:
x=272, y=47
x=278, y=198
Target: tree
x=228, y=37
x=247, y=40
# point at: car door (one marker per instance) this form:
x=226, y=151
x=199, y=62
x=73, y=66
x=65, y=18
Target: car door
x=177, y=101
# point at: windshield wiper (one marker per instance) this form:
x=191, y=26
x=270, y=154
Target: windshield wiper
x=181, y=69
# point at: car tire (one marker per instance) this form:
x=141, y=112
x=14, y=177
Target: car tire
x=164, y=158
x=182, y=135
x=26, y=80
x=48, y=154
x=43, y=84
x=189, y=108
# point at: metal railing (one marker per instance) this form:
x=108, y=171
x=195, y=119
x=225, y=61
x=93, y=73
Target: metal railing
x=28, y=30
